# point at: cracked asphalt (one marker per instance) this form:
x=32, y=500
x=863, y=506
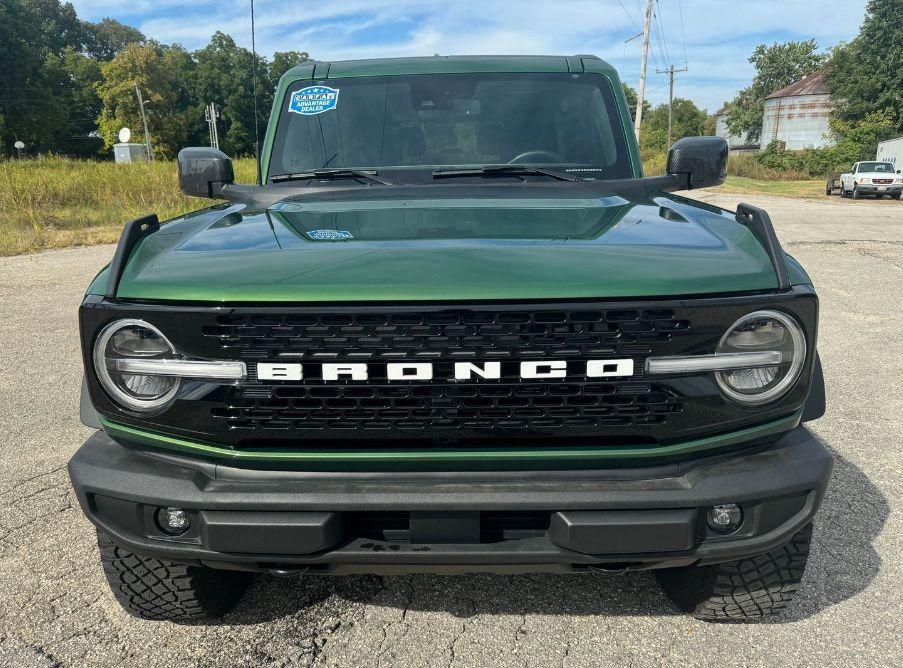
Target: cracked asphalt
x=55, y=609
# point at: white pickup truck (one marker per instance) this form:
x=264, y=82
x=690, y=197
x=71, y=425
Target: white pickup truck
x=871, y=178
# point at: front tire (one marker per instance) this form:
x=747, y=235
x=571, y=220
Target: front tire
x=856, y=193
x=740, y=590
x=158, y=589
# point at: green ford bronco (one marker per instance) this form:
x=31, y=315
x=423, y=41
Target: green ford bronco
x=452, y=329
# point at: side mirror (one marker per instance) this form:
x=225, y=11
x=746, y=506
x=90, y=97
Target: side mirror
x=203, y=171
x=703, y=160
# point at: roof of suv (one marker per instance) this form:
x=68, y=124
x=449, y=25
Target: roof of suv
x=446, y=65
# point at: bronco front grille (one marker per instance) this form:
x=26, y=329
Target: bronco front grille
x=443, y=412
x=534, y=407
x=445, y=334
x=443, y=408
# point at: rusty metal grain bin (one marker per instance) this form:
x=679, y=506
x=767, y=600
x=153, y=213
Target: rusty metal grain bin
x=796, y=116
x=736, y=143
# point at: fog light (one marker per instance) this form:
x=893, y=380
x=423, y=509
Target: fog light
x=725, y=518
x=173, y=521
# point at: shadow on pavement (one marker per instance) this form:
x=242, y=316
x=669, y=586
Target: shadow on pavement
x=843, y=562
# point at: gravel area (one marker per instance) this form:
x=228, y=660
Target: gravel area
x=55, y=609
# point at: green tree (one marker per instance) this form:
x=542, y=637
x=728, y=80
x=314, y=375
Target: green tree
x=776, y=66
x=58, y=25
x=858, y=139
x=283, y=61
x=20, y=62
x=225, y=76
x=83, y=75
x=104, y=39
x=865, y=77
x=35, y=36
x=688, y=120
x=632, y=98
x=146, y=66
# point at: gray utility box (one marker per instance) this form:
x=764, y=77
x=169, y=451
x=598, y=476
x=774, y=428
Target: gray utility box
x=129, y=153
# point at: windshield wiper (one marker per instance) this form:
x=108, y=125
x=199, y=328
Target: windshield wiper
x=503, y=170
x=327, y=174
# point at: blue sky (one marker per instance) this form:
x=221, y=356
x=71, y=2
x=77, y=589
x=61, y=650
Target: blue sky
x=713, y=38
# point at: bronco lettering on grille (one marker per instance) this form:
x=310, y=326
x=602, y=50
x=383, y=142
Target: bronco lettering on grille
x=424, y=371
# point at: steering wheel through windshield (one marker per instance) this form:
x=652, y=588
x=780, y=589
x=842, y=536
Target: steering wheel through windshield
x=535, y=156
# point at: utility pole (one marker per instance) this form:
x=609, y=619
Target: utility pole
x=147, y=141
x=641, y=92
x=210, y=115
x=670, y=72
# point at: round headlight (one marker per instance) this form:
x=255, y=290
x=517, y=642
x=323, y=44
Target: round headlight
x=131, y=339
x=758, y=332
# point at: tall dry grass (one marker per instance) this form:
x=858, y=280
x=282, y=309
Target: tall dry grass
x=743, y=165
x=53, y=202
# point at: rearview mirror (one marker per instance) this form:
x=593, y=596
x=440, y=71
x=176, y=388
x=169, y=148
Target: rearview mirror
x=203, y=171
x=703, y=160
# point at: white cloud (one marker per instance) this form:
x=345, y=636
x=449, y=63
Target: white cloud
x=717, y=35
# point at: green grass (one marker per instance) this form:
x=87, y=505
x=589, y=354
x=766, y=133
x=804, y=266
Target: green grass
x=745, y=175
x=807, y=188
x=56, y=202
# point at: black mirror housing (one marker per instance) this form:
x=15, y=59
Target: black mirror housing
x=204, y=171
x=703, y=160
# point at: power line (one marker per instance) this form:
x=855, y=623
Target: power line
x=641, y=89
x=683, y=33
x=641, y=12
x=660, y=36
x=629, y=16
x=670, y=72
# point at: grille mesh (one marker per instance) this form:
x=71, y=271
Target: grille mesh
x=442, y=407
x=445, y=334
x=489, y=407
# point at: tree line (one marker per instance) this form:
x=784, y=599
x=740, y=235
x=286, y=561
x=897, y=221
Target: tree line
x=68, y=85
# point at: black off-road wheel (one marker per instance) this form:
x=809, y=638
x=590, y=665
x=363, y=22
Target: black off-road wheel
x=742, y=590
x=158, y=589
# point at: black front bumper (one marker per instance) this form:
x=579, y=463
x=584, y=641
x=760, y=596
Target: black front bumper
x=509, y=521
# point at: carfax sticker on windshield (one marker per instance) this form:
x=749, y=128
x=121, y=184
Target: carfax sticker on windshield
x=313, y=100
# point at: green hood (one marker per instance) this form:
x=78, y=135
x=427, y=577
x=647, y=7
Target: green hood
x=354, y=245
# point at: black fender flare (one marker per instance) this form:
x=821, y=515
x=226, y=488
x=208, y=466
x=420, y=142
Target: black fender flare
x=815, y=403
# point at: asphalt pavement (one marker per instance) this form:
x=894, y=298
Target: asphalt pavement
x=56, y=610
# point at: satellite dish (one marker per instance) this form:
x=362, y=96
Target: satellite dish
x=19, y=145
x=124, y=135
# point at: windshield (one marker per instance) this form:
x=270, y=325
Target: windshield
x=886, y=167
x=566, y=121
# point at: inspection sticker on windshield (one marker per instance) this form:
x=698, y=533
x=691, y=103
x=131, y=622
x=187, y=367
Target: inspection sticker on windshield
x=330, y=235
x=313, y=100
